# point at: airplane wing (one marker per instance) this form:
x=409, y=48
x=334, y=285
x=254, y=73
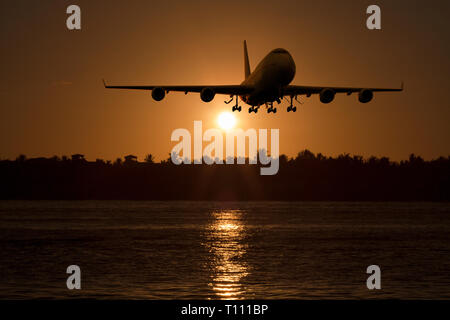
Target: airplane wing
x=308, y=90
x=220, y=89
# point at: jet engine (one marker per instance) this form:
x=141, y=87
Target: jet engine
x=327, y=95
x=207, y=94
x=365, y=95
x=158, y=93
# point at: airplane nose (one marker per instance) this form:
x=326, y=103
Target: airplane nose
x=292, y=63
x=289, y=68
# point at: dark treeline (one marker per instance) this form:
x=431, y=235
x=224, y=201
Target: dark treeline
x=305, y=177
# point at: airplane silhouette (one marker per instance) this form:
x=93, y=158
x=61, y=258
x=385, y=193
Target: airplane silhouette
x=269, y=82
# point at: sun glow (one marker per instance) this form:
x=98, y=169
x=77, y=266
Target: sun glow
x=226, y=120
x=225, y=240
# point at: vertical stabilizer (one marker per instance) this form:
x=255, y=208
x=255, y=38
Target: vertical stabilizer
x=246, y=62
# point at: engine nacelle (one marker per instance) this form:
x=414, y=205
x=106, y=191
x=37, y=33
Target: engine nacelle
x=207, y=94
x=158, y=93
x=327, y=95
x=365, y=96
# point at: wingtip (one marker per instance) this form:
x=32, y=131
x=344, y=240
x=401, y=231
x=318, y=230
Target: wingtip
x=402, y=86
x=104, y=83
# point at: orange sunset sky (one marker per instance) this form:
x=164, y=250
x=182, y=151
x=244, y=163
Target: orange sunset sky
x=52, y=101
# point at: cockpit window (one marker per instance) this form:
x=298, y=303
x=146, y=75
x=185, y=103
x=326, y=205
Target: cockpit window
x=279, y=50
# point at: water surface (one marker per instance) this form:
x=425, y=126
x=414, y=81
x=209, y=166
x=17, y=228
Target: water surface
x=222, y=250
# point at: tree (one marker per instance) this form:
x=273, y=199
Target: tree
x=21, y=158
x=149, y=158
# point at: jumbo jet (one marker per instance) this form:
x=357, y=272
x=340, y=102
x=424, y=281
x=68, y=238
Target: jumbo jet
x=269, y=82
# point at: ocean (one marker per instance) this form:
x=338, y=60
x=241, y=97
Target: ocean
x=224, y=250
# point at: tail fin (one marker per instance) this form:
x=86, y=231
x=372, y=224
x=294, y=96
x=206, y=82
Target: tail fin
x=246, y=62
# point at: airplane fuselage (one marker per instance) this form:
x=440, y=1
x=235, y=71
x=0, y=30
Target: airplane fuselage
x=275, y=71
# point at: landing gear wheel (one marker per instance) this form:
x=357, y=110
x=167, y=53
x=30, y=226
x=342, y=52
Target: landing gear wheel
x=294, y=109
x=274, y=110
x=233, y=109
x=289, y=109
x=239, y=109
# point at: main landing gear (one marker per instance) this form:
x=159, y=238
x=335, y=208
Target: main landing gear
x=253, y=109
x=269, y=105
x=236, y=107
x=291, y=106
x=271, y=108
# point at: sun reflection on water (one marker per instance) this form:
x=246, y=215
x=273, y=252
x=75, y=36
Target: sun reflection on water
x=225, y=241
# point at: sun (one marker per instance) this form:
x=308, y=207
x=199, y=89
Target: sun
x=226, y=120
